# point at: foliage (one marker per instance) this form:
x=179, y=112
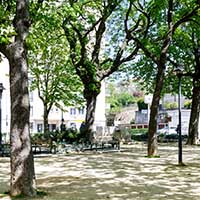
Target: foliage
x=142, y=105
x=121, y=100
x=145, y=68
x=171, y=105
x=188, y=104
x=119, y=97
x=139, y=134
x=70, y=136
x=98, y=43
x=51, y=72
x=138, y=131
x=39, y=139
x=170, y=137
x=7, y=31
x=157, y=23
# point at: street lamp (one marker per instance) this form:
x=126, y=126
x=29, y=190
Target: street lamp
x=179, y=73
x=1, y=91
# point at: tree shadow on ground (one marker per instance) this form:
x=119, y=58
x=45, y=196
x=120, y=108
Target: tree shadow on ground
x=124, y=175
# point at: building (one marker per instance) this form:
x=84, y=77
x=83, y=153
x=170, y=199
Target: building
x=167, y=117
x=73, y=116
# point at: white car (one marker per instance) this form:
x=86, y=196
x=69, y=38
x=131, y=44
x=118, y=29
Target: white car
x=167, y=130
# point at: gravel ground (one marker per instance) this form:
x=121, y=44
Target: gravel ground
x=124, y=175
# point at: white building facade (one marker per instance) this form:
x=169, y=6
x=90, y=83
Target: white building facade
x=73, y=117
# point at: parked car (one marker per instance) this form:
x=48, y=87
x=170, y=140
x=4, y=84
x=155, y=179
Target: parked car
x=167, y=130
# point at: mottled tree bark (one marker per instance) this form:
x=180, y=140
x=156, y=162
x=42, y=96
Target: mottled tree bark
x=194, y=117
x=45, y=121
x=152, y=139
x=91, y=97
x=22, y=164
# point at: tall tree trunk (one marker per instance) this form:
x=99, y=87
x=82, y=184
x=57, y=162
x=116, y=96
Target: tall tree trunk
x=90, y=94
x=90, y=117
x=45, y=121
x=22, y=164
x=194, y=116
x=152, y=139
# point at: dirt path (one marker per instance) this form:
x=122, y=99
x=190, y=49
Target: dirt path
x=125, y=175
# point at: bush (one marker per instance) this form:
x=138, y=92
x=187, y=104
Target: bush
x=37, y=138
x=171, y=105
x=138, y=131
x=188, y=104
x=139, y=134
x=142, y=105
x=170, y=137
x=70, y=135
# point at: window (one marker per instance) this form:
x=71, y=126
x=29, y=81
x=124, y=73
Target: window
x=81, y=111
x=72, y=111
x=54, y=110
x=52, y=127
x=39, y=128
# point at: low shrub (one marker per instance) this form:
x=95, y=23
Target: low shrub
x=139, y=134
x=188, y=104
x=171, y=105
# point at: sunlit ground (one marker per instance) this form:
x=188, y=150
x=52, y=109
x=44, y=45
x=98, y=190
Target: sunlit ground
x=121, y=175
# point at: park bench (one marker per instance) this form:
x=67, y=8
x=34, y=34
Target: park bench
x=44, y=148
x=43, y=145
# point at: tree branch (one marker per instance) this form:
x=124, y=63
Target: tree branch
x=186, y=17
x=168, y=38
x=71, y=38
x=97, y=46
x=92, y=27
x=118, y=61
x=146, y=51
x=101, y=29
x=131, y=56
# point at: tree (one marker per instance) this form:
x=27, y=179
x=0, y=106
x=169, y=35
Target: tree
x=13, y=46
x=156, y=43
x=186, y=44
x=191, y=62
x=51, y=73
x=86, y=25
x=195, y=110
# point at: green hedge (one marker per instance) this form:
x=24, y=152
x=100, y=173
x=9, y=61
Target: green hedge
x=139, y=134
x=138, y=131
